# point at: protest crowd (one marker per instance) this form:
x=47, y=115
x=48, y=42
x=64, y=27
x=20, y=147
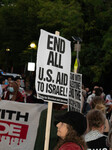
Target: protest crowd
x=91, y=129
x=53, y=110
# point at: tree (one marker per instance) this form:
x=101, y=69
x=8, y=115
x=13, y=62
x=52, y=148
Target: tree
x=21, y=21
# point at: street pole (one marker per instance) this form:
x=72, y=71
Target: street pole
x=77, y=48
x=33, y=46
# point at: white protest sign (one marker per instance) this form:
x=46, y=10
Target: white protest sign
x=53, y=68
x=18, y=125
x=75, y=95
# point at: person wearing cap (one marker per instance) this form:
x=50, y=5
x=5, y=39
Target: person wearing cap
x=95, y=138
x=58, y=109
x=70, y=129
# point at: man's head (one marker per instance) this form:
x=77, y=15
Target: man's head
x=18, y=81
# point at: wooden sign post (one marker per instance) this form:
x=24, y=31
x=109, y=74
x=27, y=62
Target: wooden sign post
x=48, y=126
x=52, y=74
x=48, y=121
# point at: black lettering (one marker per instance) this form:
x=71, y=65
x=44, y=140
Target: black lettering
x=58, y=60
x=62, y=78
x=10, y=113
x=74, y=106
x=2, y=114
x=58, y=79
x=22, y=116
x=50, y=59
x=49, y=78
x=59, y=44
x=57, y=90
x=72, y=93
x=41, y=73
x=75, y=85
x=71, y=76
x=56, y=44
x=50, y=42
x=62, y=47
x=40, y=86
x=78, y=78
x=50, y=88
x=77, y=95
x=54, y=59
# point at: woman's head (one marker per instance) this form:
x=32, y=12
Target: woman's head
x=96, y=119
x=74, y=119
x=62, y=130
x=71, y=126
x=13, y=87
x=98, y=103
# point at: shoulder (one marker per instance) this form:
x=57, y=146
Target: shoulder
x=90, y=97
x=21, y=89
x=70, y=146
x=19, y=97
x=108, y=97
x=19, y=93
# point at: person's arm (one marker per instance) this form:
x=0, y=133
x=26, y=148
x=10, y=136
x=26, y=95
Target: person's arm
x=106, y=129
x=82, y=103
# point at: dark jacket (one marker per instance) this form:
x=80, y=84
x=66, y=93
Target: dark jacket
x=96, y=141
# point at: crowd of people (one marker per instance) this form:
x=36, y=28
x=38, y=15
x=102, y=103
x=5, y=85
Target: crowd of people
x=94, y=122
x=11, y=89
x=90, y=129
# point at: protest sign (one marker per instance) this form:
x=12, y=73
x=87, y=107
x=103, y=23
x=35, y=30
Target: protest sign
x=75, y=93
x=18, y=125
x=53, y=68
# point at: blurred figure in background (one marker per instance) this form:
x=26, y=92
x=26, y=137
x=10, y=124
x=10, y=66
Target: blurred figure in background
x=32, y=98
x=96, y=92
x=108, y=100
x=99, y=103
x=85, y=106
x=88, y=92
x=21, y=90
x=1, y=91
x=8, y=80
x=95, y=138
x=109, y=139
x=13, y=93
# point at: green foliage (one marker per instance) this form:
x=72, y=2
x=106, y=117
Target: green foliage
x=21, y=21
x=61, y=16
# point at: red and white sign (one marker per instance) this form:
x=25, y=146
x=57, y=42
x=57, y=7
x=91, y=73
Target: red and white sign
x=18, y=125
